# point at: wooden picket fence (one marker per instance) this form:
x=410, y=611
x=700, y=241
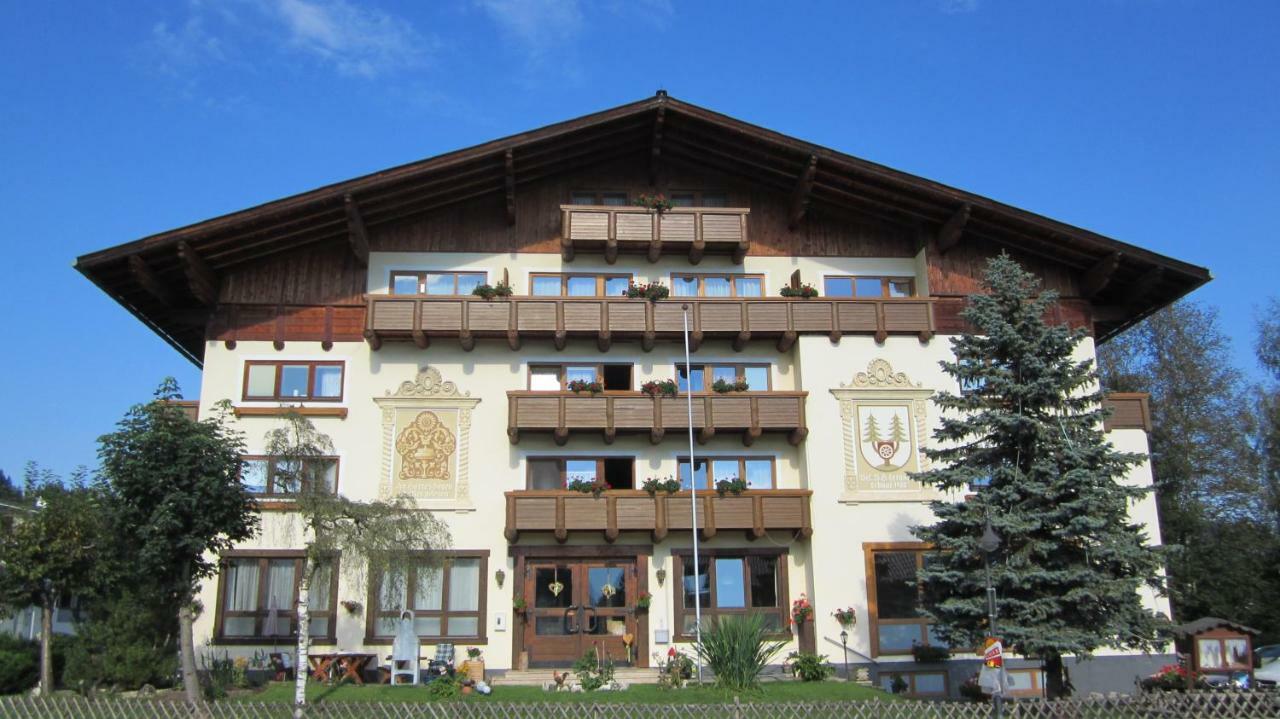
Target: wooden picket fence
x=1208, y=705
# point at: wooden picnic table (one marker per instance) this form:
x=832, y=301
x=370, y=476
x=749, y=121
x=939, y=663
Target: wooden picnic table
x=329, y=666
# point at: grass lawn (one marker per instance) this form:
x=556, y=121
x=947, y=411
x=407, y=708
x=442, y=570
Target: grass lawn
x=637, y=694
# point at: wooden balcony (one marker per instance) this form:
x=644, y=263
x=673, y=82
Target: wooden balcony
x=755, y=512
x=421, y=318
x=691, y=231
x=1129, y=410
x=564, y=413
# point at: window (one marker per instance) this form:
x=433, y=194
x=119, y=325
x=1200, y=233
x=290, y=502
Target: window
x=598, y=197
x=551, y=378
x=435, y=283
x=690, y=198
x=258, y=594
x=868, y=287
x=919, y=684
x=731, y=583
x=757, y=471
x=264, y=475
x=705, y=375
x=893, y=598
x=1025, y=682
x=1223, y=653
x=726, y=285
x=557, y=472
x=447, y=599
x=288, y=380
x=578, y=285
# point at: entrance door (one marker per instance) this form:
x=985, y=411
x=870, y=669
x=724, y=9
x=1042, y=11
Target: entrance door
x=574, y=605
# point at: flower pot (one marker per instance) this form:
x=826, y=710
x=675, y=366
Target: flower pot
x=475, y=670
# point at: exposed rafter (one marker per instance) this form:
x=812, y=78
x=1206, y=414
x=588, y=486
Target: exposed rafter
x=510, y=162
x=146, y=278
x=803, y=194
x=655, y=151
x=202, y=280
x=1097, y=278
x=355, y=231
x=951, y=231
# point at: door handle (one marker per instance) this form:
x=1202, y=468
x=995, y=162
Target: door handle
x=570, y=628
x=592, y=619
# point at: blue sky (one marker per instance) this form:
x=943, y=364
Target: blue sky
x=1150, y=121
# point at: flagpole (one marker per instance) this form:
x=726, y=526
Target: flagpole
x=693, y=495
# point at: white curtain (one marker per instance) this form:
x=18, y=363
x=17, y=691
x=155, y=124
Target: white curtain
x=242, y=585
x=318, y=598
x=392, y=592
x=715, y=287
x=427, y=593
x=280, y=594
x=464, y=585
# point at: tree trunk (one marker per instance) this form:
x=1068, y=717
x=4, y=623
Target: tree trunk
x=304, y=641
x=1055, y=680
x=46, y=646
x=187, y=652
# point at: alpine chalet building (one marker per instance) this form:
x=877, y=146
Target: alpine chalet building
x=353, y=304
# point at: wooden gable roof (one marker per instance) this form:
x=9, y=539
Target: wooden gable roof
x=170, y=280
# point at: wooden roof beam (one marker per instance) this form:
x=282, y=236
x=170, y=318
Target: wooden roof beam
x=510, y=162
x=202, y=280
x=147, y=279
x=1097, y=278
x=655, y=150
x=952, y=230
x=803, y=193
x=356, y=234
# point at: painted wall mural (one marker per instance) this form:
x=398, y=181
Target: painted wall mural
x=426, y=436
x=884, y=426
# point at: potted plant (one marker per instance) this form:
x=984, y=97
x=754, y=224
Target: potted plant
x=805, y=291
x=474, y=666
x=653, y=485
x=801, y=610
x=664, y=387
x=733, y=485
x=722, y=386
x=519, y=606
x=928, y=653
x=847, y=617
x=643, y=600
x=578, y=386
x=652, y=291
x=502, y=289
x=352, y=606
x=658, y=203
x=594, y=487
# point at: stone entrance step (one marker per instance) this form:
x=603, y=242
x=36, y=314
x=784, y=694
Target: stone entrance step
x=541, y=677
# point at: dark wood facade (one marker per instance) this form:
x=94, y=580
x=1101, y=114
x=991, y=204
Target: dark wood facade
x=307, y=253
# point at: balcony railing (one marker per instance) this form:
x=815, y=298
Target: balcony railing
x=755, y=512
x=421, y=318
x=564, y=413
x=682, y=230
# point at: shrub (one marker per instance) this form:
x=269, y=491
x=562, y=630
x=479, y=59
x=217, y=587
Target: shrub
x=593, y=673
x=809, y=667
x=217, y=674
x=737, y=650
x=19, y=664
x=445, y=686
x=929, y=654
x=127, y=644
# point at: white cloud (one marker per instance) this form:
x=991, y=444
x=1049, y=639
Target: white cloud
x=184, y=47
x=537, y=25
x=357, y=41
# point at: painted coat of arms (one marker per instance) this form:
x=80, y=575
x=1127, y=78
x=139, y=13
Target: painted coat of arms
x=885, y=436
x=426, y=447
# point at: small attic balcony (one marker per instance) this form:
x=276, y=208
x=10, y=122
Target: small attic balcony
x=688, y=231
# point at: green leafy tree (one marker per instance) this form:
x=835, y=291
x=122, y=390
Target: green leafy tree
x=174, y=490
x=384, y=538
x=52, y=552
x=1071, y=565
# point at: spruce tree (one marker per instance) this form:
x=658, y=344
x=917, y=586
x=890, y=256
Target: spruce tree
x=1028, y=438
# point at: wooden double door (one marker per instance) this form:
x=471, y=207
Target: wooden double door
x=575, y=605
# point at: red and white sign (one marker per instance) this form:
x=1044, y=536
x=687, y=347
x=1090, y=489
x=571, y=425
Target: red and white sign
x=993, y=655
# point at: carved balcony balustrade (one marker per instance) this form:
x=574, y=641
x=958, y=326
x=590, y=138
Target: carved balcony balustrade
x=691, y=231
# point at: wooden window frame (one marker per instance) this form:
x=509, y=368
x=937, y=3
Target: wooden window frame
x=562, y=375
x=884, y=285
x=698, y=196
x=480, y=613
x=739, y=370
x=701, y=277
x=421, y=277
x=870, y=549
x=599, y=197
x=311, y=380
x=564, y=473
x=564, y=277
x=264, y=556
x=1037, y=682
x=681, y=557
x=910, y=677
x=741, y=459
x=337, y=472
